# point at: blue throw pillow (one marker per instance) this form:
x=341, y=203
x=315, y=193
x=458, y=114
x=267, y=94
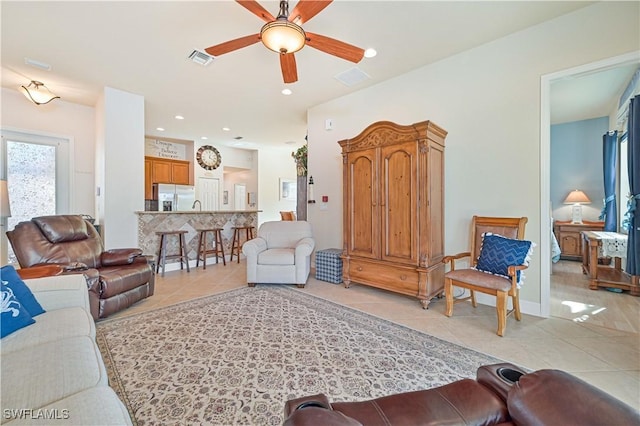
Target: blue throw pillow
x=497, y=253
x=20, y=290
x=14, y=316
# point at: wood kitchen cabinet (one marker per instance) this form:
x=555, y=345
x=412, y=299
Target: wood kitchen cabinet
x=168, y=171
x=162, y=170
x=393, y=208
x=180, y=172
x=148, y=179
x=570, y=239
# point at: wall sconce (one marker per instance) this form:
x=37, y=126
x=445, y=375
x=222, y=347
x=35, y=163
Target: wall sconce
x=38, y=93
x=577, y=198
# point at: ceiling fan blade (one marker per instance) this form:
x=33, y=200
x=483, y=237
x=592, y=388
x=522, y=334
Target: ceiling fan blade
x=335, y=47
x=289, y=68
x=307, y=9
x=231, y=45
x=255, y=8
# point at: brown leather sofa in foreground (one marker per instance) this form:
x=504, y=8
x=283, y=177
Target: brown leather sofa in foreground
x=502, y=394
x=116, y=278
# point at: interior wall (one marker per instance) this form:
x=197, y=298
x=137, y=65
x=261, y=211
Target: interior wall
x=274, y=164
x=122, y=192
x=241, y=162
x=576, y=163
x=243, y=166
x=488, y=99
x=233, y=178
x=64, y=119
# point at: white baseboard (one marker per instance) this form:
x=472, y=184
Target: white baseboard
x=175, y=266
x=526, y=306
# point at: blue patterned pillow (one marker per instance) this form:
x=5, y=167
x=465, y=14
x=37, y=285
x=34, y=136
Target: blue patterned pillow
x=13, y=316
x=497, y=253
x=20, y=290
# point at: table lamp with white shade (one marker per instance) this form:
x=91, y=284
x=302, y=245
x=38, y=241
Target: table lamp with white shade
x=577, y=198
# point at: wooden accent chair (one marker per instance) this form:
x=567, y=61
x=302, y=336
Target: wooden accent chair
x=472, y=279
x=287, y=216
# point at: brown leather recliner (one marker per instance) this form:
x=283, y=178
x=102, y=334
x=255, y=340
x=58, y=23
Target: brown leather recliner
x=116, y=278
x=502, y=394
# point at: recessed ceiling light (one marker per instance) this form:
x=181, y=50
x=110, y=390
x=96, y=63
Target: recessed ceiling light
x=179, y=117
x=370, y=53
x=286, y=92
x=289, y=142
x=204, y=138
x=160, y=129
x=226, y=129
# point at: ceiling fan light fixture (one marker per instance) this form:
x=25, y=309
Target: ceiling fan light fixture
x=283, y=36
x=38, y=93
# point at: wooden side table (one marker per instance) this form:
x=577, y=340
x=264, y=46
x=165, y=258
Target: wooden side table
x=39, y=271
x=606, y=276
x=569, y=239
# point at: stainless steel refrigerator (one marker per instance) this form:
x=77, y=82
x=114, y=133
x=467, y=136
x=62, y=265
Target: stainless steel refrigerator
x=172, y=197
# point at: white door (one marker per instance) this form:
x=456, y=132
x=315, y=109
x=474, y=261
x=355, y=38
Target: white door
x=239, y=196
x=208, y=193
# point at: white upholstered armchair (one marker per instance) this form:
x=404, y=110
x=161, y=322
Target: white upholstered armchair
x=280, y=254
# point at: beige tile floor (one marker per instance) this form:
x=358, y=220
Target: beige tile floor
x=602, y=351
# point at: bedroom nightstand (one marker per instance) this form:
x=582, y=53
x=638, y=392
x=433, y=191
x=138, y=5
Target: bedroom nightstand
x=569, y=237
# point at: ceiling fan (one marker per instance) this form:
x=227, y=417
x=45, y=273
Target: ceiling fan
x=285, y=36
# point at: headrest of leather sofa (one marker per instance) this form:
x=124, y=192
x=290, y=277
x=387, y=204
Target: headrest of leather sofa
x=62, y=228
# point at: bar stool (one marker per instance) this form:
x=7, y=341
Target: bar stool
x=218, y=248
x=162, y=250
x=235, y=243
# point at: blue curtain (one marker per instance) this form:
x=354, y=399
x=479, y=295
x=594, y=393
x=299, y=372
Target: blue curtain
x=633, y=150
x=610, y=158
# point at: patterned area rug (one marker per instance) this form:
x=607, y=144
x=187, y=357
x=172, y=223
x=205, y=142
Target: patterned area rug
x=236, y=357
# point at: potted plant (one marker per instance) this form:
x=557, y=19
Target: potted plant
x=300, y=157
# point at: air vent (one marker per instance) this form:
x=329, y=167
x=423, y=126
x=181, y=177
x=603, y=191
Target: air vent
x=201, y=58
x=37, y=64
x=352, y=76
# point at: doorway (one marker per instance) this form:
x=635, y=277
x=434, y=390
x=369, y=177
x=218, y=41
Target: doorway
x=208, y=193
x=545, y=160
x=239, y=196
x=37, y=169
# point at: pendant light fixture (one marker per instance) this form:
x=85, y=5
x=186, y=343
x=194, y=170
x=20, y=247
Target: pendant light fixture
x=38, y=93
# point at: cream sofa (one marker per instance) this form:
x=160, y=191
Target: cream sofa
x=281, y=254
x=52, y=371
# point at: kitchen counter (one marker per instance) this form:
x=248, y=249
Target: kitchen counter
x=198, y=212
x=150, y=222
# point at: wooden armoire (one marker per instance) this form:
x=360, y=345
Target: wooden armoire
x=393, y=196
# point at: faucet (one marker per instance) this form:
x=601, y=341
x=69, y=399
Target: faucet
x=193, y=207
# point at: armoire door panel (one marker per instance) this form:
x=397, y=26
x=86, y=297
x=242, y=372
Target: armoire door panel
x=436, y=203
x=398, y=189
x=364, y=214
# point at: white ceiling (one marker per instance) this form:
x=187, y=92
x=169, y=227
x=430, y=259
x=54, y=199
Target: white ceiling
x=142, y=47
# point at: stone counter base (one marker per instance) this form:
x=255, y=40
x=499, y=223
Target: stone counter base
x=151, y=222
